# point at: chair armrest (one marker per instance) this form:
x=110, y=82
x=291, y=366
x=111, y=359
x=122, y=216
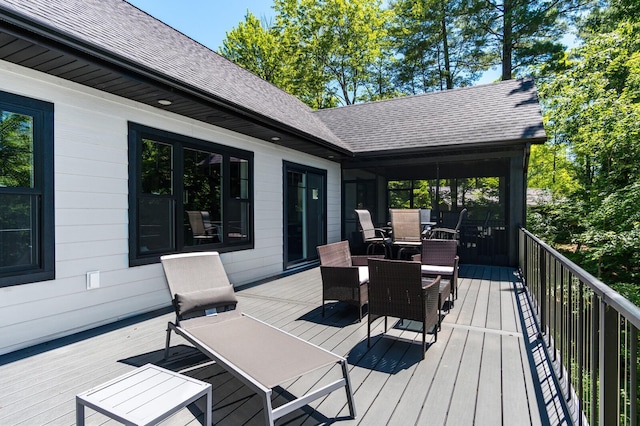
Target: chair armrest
x=363, y=260
x=380, y=232
x=431, y=296
x=447, y=230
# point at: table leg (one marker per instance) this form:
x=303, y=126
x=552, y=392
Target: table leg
x=207, y=413
x=79, y=413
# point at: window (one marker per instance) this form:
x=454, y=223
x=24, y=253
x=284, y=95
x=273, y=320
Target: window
x=186, y=194
x=26, y=190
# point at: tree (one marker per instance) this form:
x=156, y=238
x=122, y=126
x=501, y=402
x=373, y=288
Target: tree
x=256, y=47
x=595, y=107
x=439, y=51
x=347, y=38
x=551, y=167
x=592, y=110
x=525, y=33
x=325, y=52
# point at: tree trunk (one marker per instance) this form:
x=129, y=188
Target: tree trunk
x=445, y=48
x=507, y=45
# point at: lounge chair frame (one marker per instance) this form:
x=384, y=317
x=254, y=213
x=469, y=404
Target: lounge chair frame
x=238, y=371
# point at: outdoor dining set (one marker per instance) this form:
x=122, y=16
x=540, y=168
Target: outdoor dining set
x=414, y=289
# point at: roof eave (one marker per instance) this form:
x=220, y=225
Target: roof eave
x=115, y=60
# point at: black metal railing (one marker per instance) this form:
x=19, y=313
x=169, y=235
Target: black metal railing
x=591, y=335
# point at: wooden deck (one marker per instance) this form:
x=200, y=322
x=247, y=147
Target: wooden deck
x=486, y=368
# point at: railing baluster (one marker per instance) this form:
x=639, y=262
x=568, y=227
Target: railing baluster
x=563, y=313
x=633, y=363
x=595, y=348
x=580, y=347
x=609, y=386
x=543, y=291
x=570, y=323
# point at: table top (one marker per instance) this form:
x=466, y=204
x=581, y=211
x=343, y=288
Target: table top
x=139, y=396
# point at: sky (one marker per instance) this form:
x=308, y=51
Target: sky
x=208, y=21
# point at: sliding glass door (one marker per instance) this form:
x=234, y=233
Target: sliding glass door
x=305, y=213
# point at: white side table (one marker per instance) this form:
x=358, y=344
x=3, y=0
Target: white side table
x=144, y=396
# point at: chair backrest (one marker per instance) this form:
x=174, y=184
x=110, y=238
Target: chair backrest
x=425, y=215
x=395, y=289
x=366, y=224
x=189, y=272
x=463, y=212
x=335, y=254
x=439, y=252
x=198, y=284
x=405, y=224
x=196, y=222
x=453, y=220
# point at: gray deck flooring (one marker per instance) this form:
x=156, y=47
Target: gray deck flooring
x=486, y=367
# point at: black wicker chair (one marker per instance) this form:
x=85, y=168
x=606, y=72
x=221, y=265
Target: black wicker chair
x=344, y=277
x=396, y=289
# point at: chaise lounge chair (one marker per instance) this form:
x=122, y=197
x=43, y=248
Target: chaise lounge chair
x=258, y=354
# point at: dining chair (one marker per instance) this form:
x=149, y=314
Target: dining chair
x=449, y=233
x=405, y=226
x=371, y=235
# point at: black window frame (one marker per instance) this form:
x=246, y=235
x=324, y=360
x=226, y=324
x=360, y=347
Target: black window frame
x=138, y=132
x=43, y=186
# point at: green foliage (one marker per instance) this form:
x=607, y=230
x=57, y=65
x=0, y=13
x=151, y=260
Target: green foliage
x=438, y=49
x=593, y=108
x=551, y=167
x=613, y=234
x=592, y=111
x=524, y=33
x=16, y=150
x=257, y=48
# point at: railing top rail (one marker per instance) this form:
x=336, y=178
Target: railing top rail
x=608, y=295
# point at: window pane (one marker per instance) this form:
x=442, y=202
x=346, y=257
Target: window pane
x=157, y=170
x=238, y=221
x=16, y=150
x=18, y=242
x=239, y=178
x=155, y=225
x=202, y=196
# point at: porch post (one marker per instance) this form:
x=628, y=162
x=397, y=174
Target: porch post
x=516, y=206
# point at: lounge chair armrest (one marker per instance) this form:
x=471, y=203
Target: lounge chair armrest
x=362, y=260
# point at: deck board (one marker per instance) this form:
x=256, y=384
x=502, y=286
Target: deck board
x=484, y=368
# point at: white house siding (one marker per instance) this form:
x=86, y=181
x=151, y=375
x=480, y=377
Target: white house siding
x=91, y=212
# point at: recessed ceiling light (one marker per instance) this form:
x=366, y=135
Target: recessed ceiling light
x=275, y=138
x=165, y=102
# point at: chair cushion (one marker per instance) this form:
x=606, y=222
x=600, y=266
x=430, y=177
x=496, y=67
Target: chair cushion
x=197, y=301
x=363, y=274
x=438, y=270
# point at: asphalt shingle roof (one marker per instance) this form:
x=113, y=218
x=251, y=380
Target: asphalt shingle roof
x=125, y=31
x=487, y=114
x=501, y=112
